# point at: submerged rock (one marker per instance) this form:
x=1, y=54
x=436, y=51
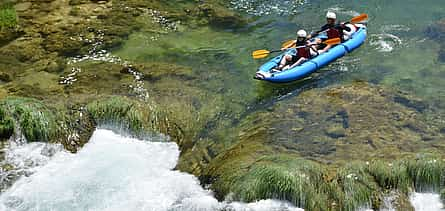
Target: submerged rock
x=437, y=33
x=336, y=125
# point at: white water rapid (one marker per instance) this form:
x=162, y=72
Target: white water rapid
x=113, y=172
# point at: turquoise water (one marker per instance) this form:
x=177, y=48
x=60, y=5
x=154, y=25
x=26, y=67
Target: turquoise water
x=397, y=52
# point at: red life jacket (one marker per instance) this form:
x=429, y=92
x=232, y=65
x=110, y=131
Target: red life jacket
x=304, y=52
x=333, y=33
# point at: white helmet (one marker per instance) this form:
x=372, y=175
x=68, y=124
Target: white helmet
x=331, y=15
x=301, y=33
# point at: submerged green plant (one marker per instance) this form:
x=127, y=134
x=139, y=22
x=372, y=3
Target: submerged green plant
x=427, y=172
x=391, y=175
x=8, y=16
x=36, y=122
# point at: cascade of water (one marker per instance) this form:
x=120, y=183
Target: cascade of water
x=113, y=172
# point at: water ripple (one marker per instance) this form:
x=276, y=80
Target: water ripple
x=262, y=8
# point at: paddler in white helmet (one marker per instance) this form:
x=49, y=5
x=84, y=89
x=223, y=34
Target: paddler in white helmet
x=332, y=31
x=300, y=52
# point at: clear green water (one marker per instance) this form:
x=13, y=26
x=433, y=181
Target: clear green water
x=397, y=52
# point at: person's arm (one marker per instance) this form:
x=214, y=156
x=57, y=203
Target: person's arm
x=323, y=28
x=288, y=46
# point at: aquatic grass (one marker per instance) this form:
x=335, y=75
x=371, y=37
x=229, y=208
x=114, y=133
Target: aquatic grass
x=427, y=172
x=358, y=187
x=8, y=16
x=117, y=111
x=296, y=180
x=6, y=125
x=133, y=117
x=35, y=121
x=391, y=175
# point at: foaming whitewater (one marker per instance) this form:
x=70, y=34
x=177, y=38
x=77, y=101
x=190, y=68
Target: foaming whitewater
x=385, y=42
x=113, y=172
x=21, y=158
x=426, y=202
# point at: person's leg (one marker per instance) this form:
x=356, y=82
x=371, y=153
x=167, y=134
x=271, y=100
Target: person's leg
x=282, y=64
x=284, y=60
x=300, y=61
x=325, y=49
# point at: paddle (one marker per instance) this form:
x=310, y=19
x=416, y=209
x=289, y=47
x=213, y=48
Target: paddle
x=258, y=54
x=353, y=20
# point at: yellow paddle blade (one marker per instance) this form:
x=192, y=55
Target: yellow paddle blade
x=288, y=44
x=333, y=41
x=258, y=54
x=359, y=18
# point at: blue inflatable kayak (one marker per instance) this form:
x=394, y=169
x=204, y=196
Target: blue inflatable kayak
x=312, y=65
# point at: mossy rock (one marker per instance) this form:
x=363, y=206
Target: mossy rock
x=8, y=16
x=219, y=16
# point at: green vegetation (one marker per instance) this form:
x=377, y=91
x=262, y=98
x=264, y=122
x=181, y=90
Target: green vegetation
x=6, y=125
x=427, y=172
x=8, y=16
x=120, y=112
x=131, y=116
x=391, y=175
x=283, y=177
x=36, y=122
x=358, y=186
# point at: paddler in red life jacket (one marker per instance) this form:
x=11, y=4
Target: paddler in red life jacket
x=332, y=31
x=296, y=57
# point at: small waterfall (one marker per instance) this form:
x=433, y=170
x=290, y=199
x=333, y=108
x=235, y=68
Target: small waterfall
x=113, y=172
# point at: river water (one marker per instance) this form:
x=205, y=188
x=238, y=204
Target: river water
x=397, y=52
x=113, y=172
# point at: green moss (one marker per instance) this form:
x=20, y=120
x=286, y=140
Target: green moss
x=391, y=175
x=8, y=16
x=36, y=122
x=359, y=187
x=427, y=172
